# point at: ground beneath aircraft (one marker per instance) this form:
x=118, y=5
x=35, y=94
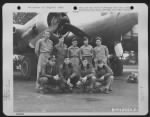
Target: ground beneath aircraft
x=124, y=95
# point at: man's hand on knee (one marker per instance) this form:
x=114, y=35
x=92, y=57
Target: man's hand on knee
x=69, y=83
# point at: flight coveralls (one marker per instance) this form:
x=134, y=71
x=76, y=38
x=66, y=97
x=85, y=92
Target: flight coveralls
x=100, y=53
x=74, y=55
x=86, y=52
x=43, y=50
x=60, y=51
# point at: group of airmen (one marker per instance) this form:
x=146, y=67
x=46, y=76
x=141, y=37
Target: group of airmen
x=72, y=68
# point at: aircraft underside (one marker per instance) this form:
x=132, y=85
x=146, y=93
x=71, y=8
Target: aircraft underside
x=110, y=30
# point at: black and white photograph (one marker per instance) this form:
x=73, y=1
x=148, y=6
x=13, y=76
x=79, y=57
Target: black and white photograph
x=77, y=61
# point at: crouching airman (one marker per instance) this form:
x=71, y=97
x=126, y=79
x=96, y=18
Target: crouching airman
x=87, y=76
x=104, y=76
x=50, y=78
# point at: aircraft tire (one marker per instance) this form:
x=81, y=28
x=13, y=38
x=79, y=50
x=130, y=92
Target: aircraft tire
x=28, y=67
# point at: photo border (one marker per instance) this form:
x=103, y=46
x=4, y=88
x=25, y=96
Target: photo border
x=143, y=60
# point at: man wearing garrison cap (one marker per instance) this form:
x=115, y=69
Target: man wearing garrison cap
x=86, y=51
x=74, y=54
x=100, y=51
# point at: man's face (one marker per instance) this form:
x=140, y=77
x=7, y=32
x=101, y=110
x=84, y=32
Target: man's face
x=98, y=42
x=61, y=40
x=86, y=42
x=74, y=43
x=85, y=62
x=47, y=34
x=52, y=62
x=100, y=65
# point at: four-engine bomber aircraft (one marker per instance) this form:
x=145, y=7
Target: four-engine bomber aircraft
x=110, y=26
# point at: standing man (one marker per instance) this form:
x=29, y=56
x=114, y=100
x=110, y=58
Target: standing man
x=74, y=54
x=100, y=51
x=43, y=50
x=86, y=51
x=44, y=47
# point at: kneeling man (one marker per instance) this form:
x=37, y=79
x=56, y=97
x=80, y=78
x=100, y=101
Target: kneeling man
x=87, y=76
x=68, y=74
x=104, y=76
x=49, y=78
